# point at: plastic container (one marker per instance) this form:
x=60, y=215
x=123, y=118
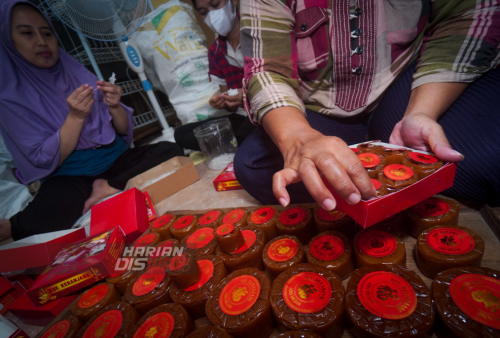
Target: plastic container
x=217, y=142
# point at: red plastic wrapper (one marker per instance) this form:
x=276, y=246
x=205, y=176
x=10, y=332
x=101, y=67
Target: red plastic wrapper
x=388, y=301
x=442, y=248
x=67, y=327
x=93, y=300
x=240, y=304
x=467, y=303
x=168, y=320
x=310, y=298
x=115, y=320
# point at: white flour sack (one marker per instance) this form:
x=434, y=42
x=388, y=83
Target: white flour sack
x=174, y=50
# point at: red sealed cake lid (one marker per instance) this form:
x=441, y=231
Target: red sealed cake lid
x=398, y=172
x=145, y=240
x=377, y=244
x=283, y=250
x=250, y=238
x=161, y=249
x=369, y=160
x=307, y=292
x=177, y=262
x=422, y=158
x=58, y=330
x=262, y=215
x=431, y=207
x=207, y=271
x=183, y=222
x=327, y=247
x=478, y=297
x=106, y=325
x=200, y=238
x=239, y=295
x=387, y=295
x=224, y=229
x=376, y=183
x=161, y=325
x=161, y=221
x=148, y=281
x=450, y=241
x=330, y=216
x=233, y=216
x=209, y=217
x=93, y=296
x=293, y=216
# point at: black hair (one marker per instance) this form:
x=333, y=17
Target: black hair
x=194, y=4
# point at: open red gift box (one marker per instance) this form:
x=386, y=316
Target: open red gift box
x=31, y=314
x=367, y=213
x=127, y=210
x=37, y=250
x=79, y=265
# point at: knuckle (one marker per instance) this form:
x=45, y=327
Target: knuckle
x=356, y=169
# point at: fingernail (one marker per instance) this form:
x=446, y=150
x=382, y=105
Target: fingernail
x=462, y=156
x=85, y=85
x=283, y=202
x=328, y=204
x=353, y=198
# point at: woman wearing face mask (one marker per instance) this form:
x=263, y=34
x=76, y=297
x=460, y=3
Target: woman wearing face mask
x=225, y=59
x=62, y=126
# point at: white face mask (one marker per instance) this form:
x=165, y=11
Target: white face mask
x=221, y=20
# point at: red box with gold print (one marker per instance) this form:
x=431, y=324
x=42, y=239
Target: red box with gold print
x=227, y=180
x=79, y=265
x=8, y=294
x=367, y=213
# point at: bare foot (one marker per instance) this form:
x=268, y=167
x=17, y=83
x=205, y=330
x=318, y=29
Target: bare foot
x=100, y=190
x=5, y=230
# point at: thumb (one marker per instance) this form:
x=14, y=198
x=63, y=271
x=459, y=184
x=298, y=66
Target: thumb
x=441, y=147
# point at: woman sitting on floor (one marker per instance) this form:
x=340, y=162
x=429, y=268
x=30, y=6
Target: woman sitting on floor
x=62, y=126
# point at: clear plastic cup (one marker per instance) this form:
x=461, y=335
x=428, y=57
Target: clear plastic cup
x=217, y=142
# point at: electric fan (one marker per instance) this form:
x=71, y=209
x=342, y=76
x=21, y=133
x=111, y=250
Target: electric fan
x=112, y=20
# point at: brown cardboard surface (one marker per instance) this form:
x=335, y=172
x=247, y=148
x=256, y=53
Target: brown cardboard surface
x=184, y=175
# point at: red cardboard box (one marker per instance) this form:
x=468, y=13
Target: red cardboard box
x=227, y=180
x=10, y=330
x=37, y=250
x=30, y=314
x=367, y=213
x=78, y=266
x=152, y=215
x=8, y=294
x=127, y=210
x=21, y=279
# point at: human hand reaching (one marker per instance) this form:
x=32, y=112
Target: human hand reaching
x=421, y=131
x=308, y=155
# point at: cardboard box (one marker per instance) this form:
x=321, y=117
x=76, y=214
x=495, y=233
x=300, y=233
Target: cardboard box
x=37, y=250
x=127, y=210
x=79, y=265
x=227, y=180
x=152, y=214
x=22, y=280
x=367, y=213
x=8, y=294
x=181, y=173
x=31, y=314
x=10, y=330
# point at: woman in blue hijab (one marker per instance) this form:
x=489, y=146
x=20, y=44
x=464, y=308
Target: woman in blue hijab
x=62, y=125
